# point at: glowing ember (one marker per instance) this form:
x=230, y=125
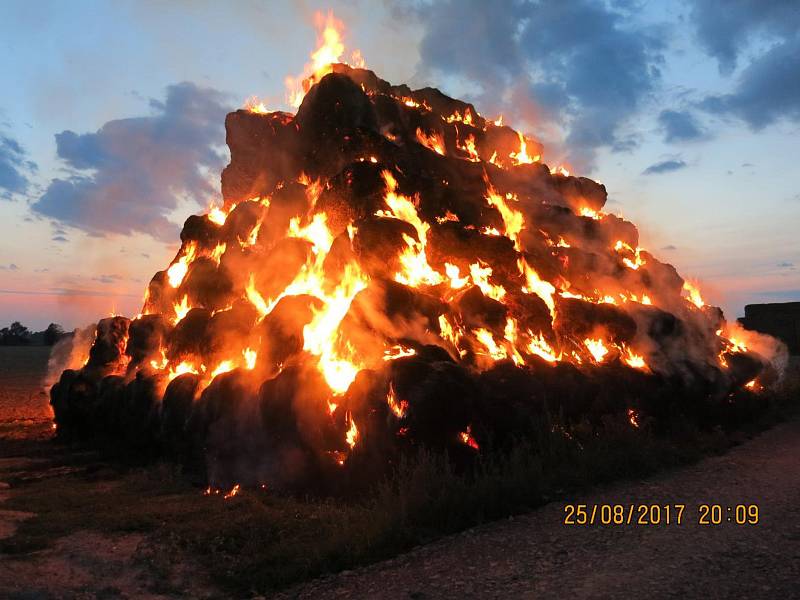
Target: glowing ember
x=633, y=418
x=466, y=438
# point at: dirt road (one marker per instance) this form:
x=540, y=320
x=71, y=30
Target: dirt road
x=537, y=556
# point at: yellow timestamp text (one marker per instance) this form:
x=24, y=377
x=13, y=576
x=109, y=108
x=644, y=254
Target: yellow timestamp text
x=659, y=514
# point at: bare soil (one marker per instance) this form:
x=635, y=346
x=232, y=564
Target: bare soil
x=82, y=564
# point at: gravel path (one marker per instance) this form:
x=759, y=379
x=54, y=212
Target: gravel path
x=537, y=556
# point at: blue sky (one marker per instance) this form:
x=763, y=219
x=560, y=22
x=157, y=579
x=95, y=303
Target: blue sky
x=111, y=124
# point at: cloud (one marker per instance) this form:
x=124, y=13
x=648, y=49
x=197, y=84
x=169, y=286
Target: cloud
x=59, y=238
x=679, y=126
x=15, y=168
x=107, y=278
x=130, y=174
x=10, y=267
x=786, y=265
x=574, y=64
x=724, y=28
x=670, y=247
x=665, y=166
x=767, y=90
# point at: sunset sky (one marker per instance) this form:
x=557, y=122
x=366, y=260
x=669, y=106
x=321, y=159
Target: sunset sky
x=112, y=114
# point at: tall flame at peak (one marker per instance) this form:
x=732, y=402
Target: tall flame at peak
x=329, y=51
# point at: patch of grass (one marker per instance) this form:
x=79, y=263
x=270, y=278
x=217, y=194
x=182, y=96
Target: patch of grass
x=256, y=541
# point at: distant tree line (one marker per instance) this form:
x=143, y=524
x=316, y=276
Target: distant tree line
x=17, y=334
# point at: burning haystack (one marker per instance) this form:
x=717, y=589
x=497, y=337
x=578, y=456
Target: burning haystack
x=391, y=270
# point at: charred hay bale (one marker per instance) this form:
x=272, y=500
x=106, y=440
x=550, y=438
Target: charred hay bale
x=445, y=105
x=618, y=386
x=109, y=343
x=355, y=193
x=715, y=316
x=512, y=402
x=450, y=243
x=370, y=81
x=441, y=397
x=614, y=228
x=743, y=367
x=217, y=427
x=328, y=119
x=159, y=294
x=662, y=280
x=146, y=336
x=109, y=411
x=288, y=202
x=187, y=338
x=378, y=243
x=60, y=400
x=579, y=192
x=387, y=308
x=478, y=311
x=568, y=392
x=263, y=152
x=228, y=331
x=530, y=312
x=282, y=329
x=376, y=448
x=208, y=284
x=505, y=141
x=392, y=117
x=300, y=431
x=467, y=203
x=577, y=319
x=176, y=408
x=140, y=412
x=241, y=221
x=200, y=229
x=659, y=325
x=339, y=257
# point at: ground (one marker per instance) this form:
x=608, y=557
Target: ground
x=537, y=556
x=73, y=526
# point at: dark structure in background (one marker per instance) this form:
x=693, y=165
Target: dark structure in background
x=781, y=320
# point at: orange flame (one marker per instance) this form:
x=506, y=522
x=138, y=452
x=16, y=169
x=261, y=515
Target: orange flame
x=434, y=141
x=330, y=49
x=521, y=157
x=596, y=348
